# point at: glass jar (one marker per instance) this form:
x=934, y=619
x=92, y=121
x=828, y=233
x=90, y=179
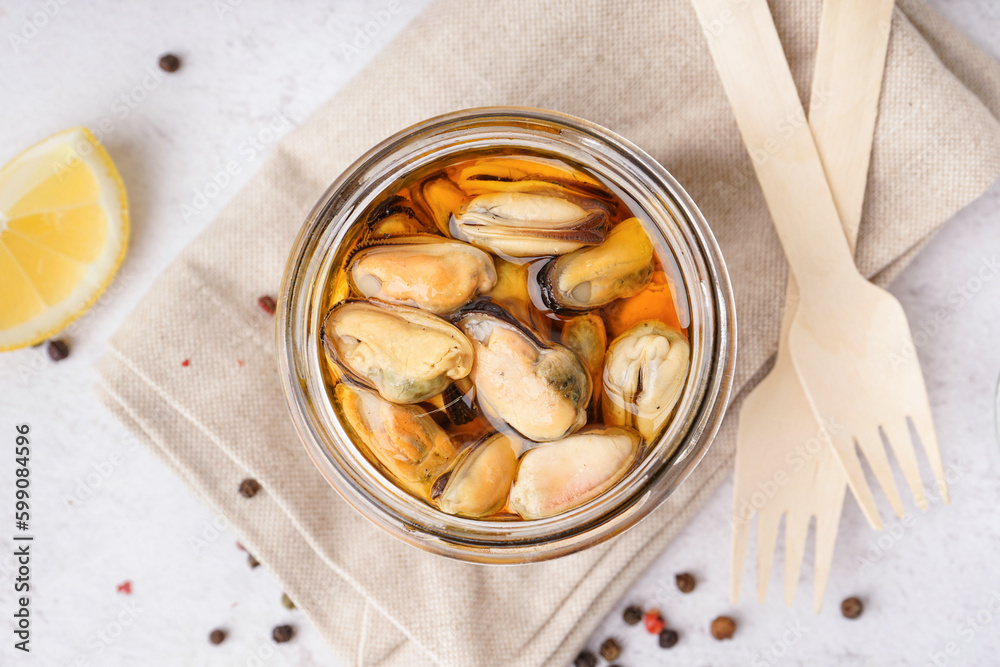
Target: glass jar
x=667, y=461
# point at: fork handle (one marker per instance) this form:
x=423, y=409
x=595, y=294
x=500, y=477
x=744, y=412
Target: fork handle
x=751, y=63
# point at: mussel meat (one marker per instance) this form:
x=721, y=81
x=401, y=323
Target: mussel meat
x=402, y=438
x=425, y=271
x=394, y=217
x=440, y=199
x=479, y=483
x=557, y=476
x=589, y=278
x=521, y=224
x=539, y=389
x=404, y=353
x=586, y=336
x=644, y=372
x=508, y=174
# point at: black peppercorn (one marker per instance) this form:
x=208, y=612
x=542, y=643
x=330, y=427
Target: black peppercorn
x=217, y=636
x=585, y=659
x=58, y=350
x=685, y=582
x=283, y=633
x=632, y=615
x=249, y=488
x=668, y=638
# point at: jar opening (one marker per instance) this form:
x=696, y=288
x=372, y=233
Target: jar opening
x=705, y=306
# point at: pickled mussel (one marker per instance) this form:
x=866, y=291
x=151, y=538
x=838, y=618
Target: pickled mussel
x=644, y=372
x=481, y=479
x=505, y=174
x=467, y=337
x=539, y=389
x=402, y=438
x=558, y=476
x=424, y=271
x=406, y=354
x=394, y=217
x=521, y=224
x=587, y=336
x=589, y=278
x=440, y=199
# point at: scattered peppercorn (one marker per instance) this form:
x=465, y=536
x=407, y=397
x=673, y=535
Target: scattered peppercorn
x=654, y=622
x=267, y=304
x=186, y=363
x=249, y=488
x=287, y=601
x=585, y=659
x=668, y=638
x=58, y=350
x=610, y=650
x=252, y=561
x=283, y=633
x=685, y=582
x=851, y=608
x=723, y=628
x=632, y=615
x=125, y=587
x=170, y=63
x=217, y=637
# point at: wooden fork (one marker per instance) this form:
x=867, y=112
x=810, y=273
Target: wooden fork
x=779, y=436
x=849, y=341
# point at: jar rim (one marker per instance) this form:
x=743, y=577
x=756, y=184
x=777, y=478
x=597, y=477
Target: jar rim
x=707, y=288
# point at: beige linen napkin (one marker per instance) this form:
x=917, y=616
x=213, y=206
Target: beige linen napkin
x=639, y=67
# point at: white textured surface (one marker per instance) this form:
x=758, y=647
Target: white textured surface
x=105, y=511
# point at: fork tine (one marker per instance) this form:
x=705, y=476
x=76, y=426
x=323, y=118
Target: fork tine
x=826, y=537
x=848, y=457
x=871, y=445
x=898, y=435
x=924, y=424
x=741, y=535
x=767, y=536
x=796, y=533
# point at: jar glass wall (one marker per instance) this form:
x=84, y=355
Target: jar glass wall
x=636, y=178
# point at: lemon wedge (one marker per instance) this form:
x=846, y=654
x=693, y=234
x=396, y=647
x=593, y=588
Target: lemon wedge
x=63, y=233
